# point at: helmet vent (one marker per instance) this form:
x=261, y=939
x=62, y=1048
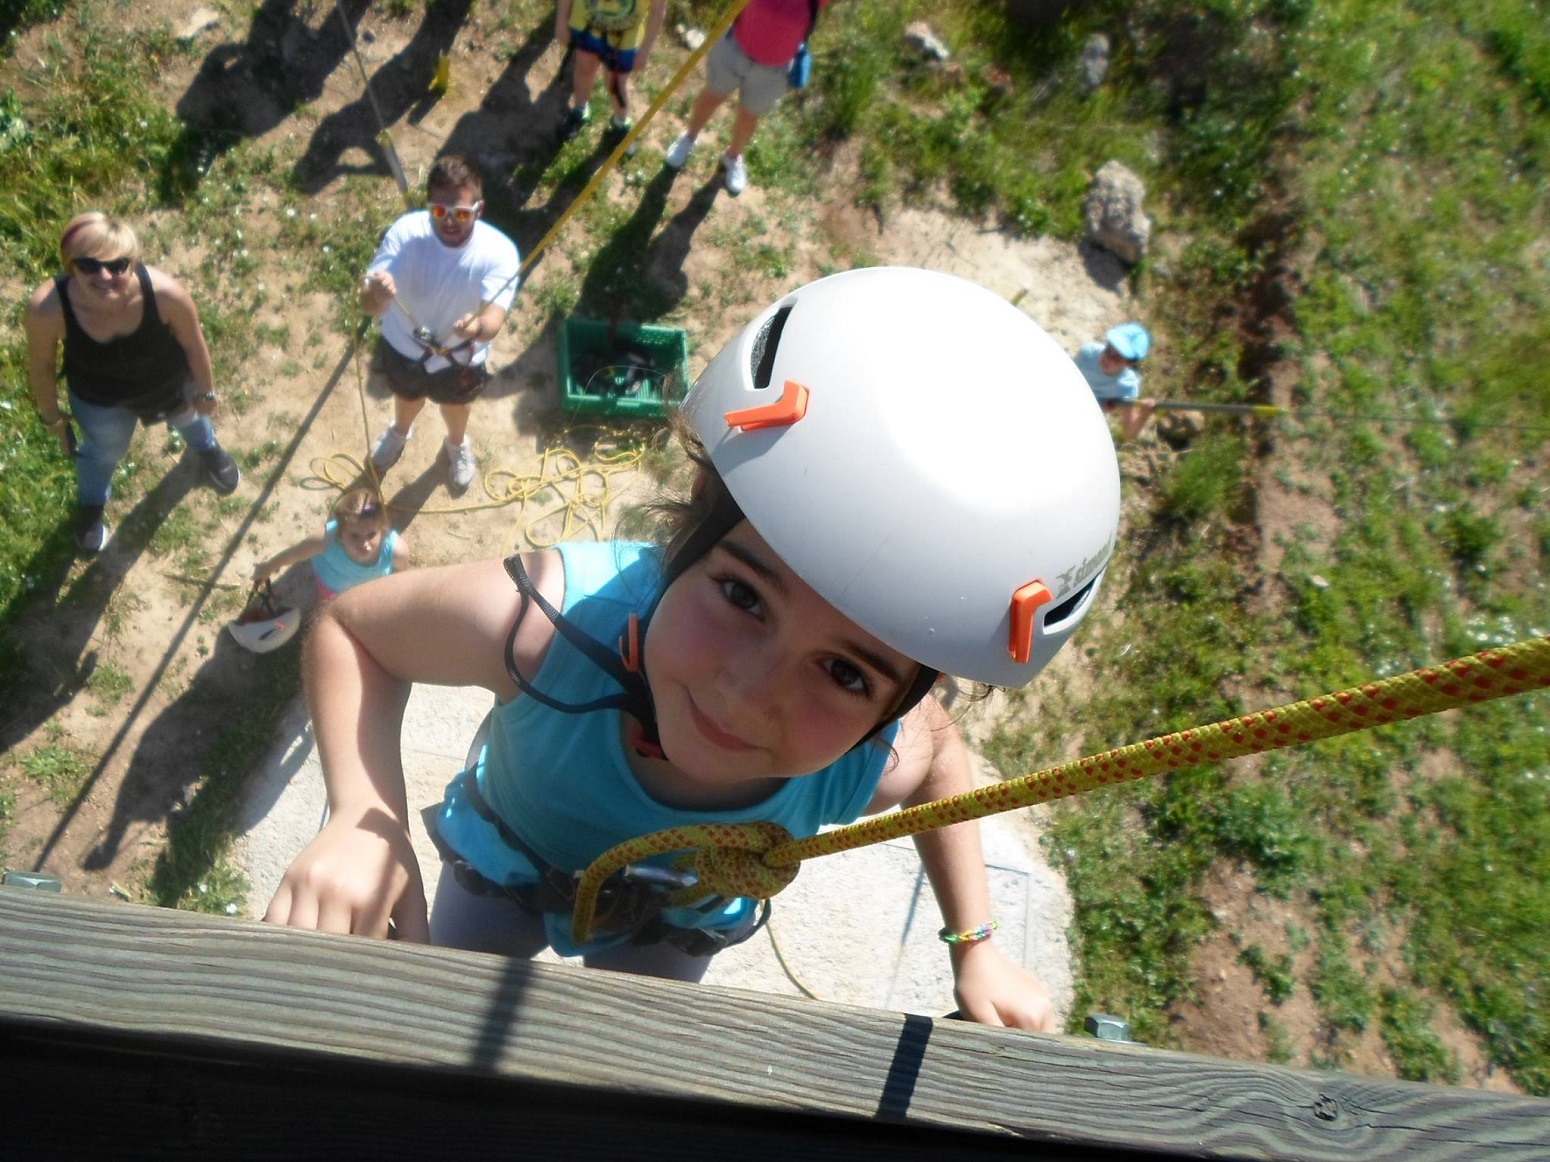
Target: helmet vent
x=764, y=345
x=1069, y=610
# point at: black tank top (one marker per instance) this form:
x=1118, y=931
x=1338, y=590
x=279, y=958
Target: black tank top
x=145, y=370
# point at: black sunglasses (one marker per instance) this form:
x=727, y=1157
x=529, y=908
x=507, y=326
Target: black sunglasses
x=114, y=266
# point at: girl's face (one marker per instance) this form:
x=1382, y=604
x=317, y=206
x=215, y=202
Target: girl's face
x=1111, y=362
x=755, y=676
x=362, y=542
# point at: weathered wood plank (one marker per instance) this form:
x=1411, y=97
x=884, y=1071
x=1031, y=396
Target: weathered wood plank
x=209, y=989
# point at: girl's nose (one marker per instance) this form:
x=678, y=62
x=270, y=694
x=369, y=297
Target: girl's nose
x=751, y=680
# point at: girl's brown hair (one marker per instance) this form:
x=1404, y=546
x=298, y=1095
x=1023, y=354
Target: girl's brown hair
x=361, y=507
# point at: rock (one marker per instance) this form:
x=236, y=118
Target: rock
x=919, y=37
x=1115, y=219
x=690, y=38
x=199, y=20
x=1095, y=61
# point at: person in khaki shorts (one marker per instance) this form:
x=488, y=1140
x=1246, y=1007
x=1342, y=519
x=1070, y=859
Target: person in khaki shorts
x=753, y=60
x=441, y=283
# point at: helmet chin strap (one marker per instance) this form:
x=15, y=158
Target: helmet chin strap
x=626, y=666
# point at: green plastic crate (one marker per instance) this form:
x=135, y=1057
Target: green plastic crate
x=628, y=370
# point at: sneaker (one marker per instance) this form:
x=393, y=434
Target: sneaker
x=222, y=469
x=390, y=446
x=574, y=120
x=460, y=464
x=90, y=533
x=619, y=128
x=678, y=153
x=737, y=174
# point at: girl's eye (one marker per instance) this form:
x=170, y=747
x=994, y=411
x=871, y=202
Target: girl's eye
x=739, y=594
x=849, y=677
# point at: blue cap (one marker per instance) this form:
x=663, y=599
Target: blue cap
x=1131, y=340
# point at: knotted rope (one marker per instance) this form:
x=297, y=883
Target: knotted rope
x=760, y=859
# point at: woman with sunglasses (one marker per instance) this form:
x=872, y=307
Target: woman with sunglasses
x=133, y=352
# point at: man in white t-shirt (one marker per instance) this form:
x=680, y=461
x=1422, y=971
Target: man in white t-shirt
x=441, y=283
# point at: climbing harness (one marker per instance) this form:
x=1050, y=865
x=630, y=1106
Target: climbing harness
x=758, y=860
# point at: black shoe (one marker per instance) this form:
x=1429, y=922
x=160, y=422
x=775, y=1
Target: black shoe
x=223, y=471
x=90, y=533
x=575, y=119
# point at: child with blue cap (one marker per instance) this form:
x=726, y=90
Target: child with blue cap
x=1110, y=370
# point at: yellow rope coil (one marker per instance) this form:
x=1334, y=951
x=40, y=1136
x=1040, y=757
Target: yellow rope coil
x=760, y=866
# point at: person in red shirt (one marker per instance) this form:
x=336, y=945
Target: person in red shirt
x=753, y=60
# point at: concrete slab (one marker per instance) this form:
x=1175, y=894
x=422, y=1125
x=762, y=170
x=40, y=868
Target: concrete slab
x=856, y=928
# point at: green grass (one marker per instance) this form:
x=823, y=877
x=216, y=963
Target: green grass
x=59, y=768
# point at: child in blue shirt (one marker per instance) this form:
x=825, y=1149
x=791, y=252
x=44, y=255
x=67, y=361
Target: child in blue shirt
x=357, y=544
x=868, y=514
x=1110, y=370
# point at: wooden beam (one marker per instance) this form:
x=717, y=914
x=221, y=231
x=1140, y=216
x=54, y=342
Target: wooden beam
x=277, y=1038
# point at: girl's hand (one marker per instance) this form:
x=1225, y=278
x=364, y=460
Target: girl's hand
x=262, y=572
x=352, y=878
x=993, y=989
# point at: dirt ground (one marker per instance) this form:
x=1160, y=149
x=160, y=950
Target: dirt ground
x=129, y=609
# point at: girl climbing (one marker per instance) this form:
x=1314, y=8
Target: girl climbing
x=357, y=544
x=900, y=476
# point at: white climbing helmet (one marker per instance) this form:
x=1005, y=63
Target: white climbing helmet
x=926, y=457
x=265, y=624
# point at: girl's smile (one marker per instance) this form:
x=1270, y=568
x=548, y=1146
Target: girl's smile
x=756, y=677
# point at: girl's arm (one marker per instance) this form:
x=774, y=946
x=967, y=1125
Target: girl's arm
x=301, y=551
x=933, y=764
x=445, y=626
x=402, y=557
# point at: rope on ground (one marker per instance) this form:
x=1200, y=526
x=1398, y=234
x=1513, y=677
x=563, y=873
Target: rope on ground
x=568, y=495
x=760, y=859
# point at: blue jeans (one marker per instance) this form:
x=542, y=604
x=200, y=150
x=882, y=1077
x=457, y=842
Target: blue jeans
x=105, y=436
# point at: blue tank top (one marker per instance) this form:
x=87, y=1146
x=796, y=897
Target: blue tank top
x=339, y=571
x=562, y=781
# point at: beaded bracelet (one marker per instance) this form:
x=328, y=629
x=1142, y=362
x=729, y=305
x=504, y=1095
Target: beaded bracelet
x=972, y=936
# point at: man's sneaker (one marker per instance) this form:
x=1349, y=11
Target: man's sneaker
x=390, y=446
x=737, y=173
x=460, y=464
x=222, y=469
x=678, y=153
x=575, y=119
x=90, y=533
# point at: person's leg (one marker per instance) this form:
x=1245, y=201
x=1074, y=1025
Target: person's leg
x=743, y=126
x=404, y=413
x=196, y=429
x=659, y=960
x=705, y=105
x=619, y=95
x=498, y=924
x=456, y=417
x=105, y=436
x=584, y=69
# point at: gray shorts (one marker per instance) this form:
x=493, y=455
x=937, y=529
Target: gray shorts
x=729, y=69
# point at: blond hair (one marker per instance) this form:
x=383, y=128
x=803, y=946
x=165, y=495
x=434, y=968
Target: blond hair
x=361, y=508
x=96, y=235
